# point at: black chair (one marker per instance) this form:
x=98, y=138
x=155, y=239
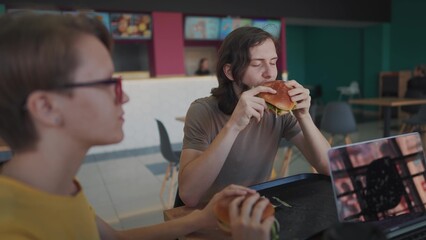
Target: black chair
x=338, y=119
x=172, y=169
x=415, y=122
x=412, y=93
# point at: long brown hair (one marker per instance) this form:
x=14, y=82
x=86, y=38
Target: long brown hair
x=235, y=50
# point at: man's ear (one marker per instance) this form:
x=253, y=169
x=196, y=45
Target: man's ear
x=228, y=71
x=43, y=108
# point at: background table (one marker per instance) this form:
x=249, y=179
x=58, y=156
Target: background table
x=387, y=104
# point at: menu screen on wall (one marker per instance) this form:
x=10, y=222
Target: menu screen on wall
x=202, y=28
x=101, y=16
x=227, y=25
x=130, y=26
x=271, y=26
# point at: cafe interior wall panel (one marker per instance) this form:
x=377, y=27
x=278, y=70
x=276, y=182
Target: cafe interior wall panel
x=161, y=98
x=168, y=45
x=334, y=58
x=407, y=34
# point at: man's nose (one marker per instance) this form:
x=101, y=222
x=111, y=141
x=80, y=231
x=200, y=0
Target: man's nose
x=267, y=72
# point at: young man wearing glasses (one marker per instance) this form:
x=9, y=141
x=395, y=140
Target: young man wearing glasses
x=58, y=99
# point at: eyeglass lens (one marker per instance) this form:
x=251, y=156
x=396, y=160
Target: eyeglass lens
x=119, y=90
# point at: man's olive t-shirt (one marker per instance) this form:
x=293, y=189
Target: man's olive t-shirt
x=252, y=155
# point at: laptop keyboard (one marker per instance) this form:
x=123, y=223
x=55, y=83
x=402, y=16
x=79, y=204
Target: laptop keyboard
x=418, y=234
x=398, y=220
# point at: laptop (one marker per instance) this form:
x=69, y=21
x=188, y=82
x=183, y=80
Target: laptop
x=382, y=181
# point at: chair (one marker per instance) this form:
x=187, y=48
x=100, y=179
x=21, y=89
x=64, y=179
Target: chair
x=289, y=152
x=412, y=93
x=350, y=91
x=316, y=95
x=287, y=157
x=338, y=119
x=415, y=122
x=286, y=160
x=172, y=169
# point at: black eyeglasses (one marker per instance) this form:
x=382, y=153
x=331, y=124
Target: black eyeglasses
x=117, y=81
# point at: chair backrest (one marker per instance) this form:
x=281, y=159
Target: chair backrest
x=422, y=112
x=313, y=109
x=412, y=93
x=165, y=145
x=354, y=86
x=338, y=118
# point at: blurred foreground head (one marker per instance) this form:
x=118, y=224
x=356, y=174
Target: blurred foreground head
x=37, y=52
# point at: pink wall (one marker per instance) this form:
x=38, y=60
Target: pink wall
x=167, y=44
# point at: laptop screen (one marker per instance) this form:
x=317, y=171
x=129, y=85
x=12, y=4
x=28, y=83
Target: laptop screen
x=379, y=179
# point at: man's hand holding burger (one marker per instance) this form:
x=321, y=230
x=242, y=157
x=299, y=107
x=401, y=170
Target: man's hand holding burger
x=230, y=192
x=301, y=96
x=289, y=96
x=240, y=211
x=245, y=217
x=251, y=217
x=249, y=106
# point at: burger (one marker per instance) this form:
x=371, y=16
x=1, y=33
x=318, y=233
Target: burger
x=279, y=103
x=221, y=211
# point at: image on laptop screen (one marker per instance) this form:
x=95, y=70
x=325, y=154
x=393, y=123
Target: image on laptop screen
x=379, y=179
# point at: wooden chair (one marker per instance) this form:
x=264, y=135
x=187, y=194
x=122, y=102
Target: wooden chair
x=172, y=169
x=288, y=151
x=287, y=157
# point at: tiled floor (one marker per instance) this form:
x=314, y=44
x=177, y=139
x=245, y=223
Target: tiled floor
x=124, y=191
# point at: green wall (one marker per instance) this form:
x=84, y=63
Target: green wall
x=408, y=34
x=328, y=56
x=333, y=58
x=376, y=57
x=2, y=9
x=336, y=56
x=296, y=53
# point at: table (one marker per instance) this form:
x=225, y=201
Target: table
x=387, y=104
x=310, y=195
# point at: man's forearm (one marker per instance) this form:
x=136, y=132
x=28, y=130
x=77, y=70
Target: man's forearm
x=317, y=145
x=197, y=175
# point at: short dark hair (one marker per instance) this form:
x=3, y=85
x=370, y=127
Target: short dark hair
x=37, y=53
x=200, y=63
x=235, y=50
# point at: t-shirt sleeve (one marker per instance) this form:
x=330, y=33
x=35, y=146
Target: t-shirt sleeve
x=197, y=129
x=291, y=127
